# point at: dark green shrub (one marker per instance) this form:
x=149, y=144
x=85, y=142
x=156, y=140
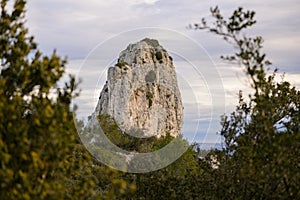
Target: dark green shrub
x=121, y=64
x=158, y=55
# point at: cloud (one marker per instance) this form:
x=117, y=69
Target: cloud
x=75, y=28
x=150, y=2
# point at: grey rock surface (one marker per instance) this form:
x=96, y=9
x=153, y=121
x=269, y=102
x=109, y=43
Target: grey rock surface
x=141, y=92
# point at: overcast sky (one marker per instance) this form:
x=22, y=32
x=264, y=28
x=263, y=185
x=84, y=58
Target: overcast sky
x=81, y=29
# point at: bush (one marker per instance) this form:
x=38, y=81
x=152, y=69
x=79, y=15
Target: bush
x=158, y=55
x=121, y=64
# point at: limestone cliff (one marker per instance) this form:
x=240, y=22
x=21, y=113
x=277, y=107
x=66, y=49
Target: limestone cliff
x=141, y=92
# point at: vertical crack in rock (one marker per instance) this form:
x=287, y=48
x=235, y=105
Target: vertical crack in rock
x=141, y=92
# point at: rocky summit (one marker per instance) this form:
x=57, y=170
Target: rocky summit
x=141, y=92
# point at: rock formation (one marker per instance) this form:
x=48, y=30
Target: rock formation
x=141, y=92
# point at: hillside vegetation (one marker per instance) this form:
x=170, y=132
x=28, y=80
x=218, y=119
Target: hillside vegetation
x=41, y=156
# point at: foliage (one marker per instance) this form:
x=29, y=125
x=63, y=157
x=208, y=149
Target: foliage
x=121, y=64
x=128, y=142
x=261, y=158
x=158, y=55
x=40, y=154
x=176, y=180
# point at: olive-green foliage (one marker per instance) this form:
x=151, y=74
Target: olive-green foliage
x=158, y=55
x=125, y=141
x=262, y=136
x=175, y=181
x=108, y=183
x=40, y=154
x=33, y=126
x=121, y=64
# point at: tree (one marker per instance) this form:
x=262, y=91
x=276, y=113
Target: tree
x=174, y=181
x=262, y=146
x=40, y=154
x=37, y=132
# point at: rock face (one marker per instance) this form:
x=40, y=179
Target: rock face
x=141, y=92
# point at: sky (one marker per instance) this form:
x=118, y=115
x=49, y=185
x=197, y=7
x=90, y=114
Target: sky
x=92, y=33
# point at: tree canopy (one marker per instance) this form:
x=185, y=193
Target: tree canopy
x=261, y=155
x=40, y=154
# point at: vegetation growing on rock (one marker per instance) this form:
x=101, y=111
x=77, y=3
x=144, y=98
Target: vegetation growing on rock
x=151, y=42
x=121, y=64
x=158, y=55
x=41, y=156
